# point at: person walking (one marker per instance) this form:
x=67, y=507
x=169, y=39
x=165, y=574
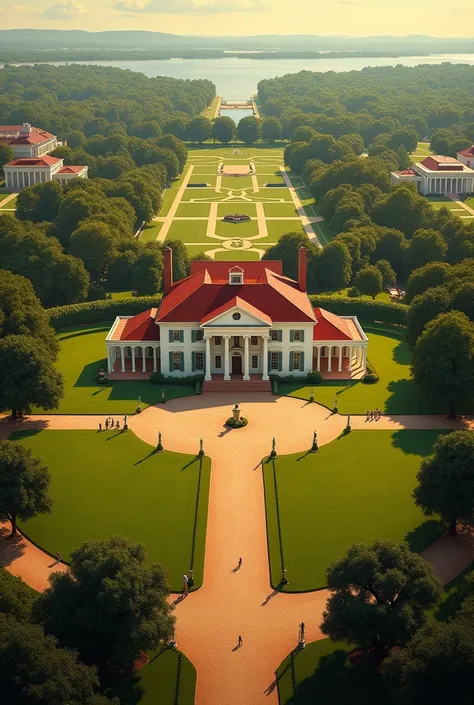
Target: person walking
x=107, y=423
x=100, y=426
x=239, y=642
x=111, y=424
x=185, y=581
x=58, y=557
x=367, y=415
x=239, y=563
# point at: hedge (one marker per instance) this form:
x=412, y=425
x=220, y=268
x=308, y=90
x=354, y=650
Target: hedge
x=102, y=310
x=365, y=310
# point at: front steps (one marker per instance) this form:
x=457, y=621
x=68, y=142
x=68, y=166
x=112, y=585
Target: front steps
x=237, y=385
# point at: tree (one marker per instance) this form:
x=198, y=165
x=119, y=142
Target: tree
x=223, y=129
x=147, y=271
x=286, y=250
x=21, y=312
x=119, y=275
x=303, y=134
x=34, y=671
x=40, y=202
x=438, y=661
x=424, y=308
x=111, y=605
x=392, y=246
x=443, y=360
x=369, y=281
x=403, y=208
x=446, y=481
x=430, y=275
x=199, y=129
x=180, y=259
x=249, y=129
x=24, y=485
x=27, y=376
x=6, y=154
x=16, y=597
x=175, y=145
x=389, y=277
x=271, y=129
x=178, y=127
x=333, y=268
x=427, y=246
x=379, y=595
x=93, y=241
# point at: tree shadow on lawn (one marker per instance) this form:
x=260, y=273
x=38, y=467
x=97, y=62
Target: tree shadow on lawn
x=455, y=593
x=425, y=534
x=405, y=398
x=335, y=681
x=86, y=378
x=92, y=329
x=416, y=442
x=127, y=688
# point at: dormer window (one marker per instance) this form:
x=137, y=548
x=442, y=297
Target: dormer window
x=236, y=276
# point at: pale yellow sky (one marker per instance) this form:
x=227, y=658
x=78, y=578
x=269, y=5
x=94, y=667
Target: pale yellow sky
x=240, y=17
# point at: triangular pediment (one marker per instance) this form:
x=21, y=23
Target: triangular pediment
x=236, y=313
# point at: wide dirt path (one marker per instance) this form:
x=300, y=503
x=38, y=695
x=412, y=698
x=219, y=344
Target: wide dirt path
x=239, y=602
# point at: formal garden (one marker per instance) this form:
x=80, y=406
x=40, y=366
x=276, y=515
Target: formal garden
x=110, y=482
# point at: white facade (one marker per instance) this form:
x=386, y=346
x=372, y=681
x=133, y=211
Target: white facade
x=25, y=172
x=449, y=177
x=27, y=141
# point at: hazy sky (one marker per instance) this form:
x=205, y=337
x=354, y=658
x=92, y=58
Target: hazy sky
x=356, y=17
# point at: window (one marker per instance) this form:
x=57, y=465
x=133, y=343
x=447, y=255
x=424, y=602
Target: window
x=199, y=361
x=296, y=360
x=254, y=362
x=176, y=336
x=236, y=341
x=275, y=335
x=236, y=278
x=236, y=316
x=218, y=340
x=177, y=361
x=254, y=340
x=198, y=335
x=218, y=362
x=274, y=361
x=296, y=335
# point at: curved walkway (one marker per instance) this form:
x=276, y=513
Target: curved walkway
x=239, y=602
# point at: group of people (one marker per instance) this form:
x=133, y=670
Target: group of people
x=109, y=423
x=373, y=415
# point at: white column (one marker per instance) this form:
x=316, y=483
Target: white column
x=110, y=365
x=133, y=358
x=208, y=359
x=246, y=357
x=154, y=359
x=364, y=358
x=329, y=358
x=122, y=355
x=226, y=357
x=319, y=359
x=265, y=359
x=143, y=358
x=341, y=349
x=351, y=353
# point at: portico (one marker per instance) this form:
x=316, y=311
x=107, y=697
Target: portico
x=242, y=354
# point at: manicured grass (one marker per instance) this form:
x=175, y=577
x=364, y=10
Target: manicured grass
x=82, y=355
x=383, y=296
x=208, y=179
x=188, y=231
x=168, y=679
x=273, y=192
x=422, y=151
x=122, y=294
x=320, y=674
x=193, y=210
x=170, y=193
x=280, y=210
x=236, y=256
x=237, y=183
x=112, y=482
x=237, y=230
x=270, y=179
x=11, y=204
x=200, y=194
x=440, y=202
x=277, y=228
x=151, y=231
x=469, y=202
x=353, y=490
x=210, y=111
x=205, y=169
x=243, y=208
x=394, y=393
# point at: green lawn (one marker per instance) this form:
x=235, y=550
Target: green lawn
x=193, y=210
x=200, y=194
x=10, y=205
x=237, y=183
x=169, y=679
x=383, y=296
x=122, y=294
x=422, y=151
x=237, y=230
x=208, y=179
x=394, y=393
x=243, y=208
x=277, y=228
x=210, y=111
x=112, y=482
x=151, y=231
x=263, y=179
x=241, y=255
x=280, y=210
x=320, y=674
x=205, y=169
x=82, y=354
x=354, y=490
x=470, y=202
x=188, y=231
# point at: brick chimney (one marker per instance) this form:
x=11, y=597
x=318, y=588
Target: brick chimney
x=302, y=267
x=167, y=270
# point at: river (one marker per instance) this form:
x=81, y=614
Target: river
x=237, y=79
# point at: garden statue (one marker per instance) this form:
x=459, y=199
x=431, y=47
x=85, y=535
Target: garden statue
x=284, y=578
x=125, y=423
x=301, y=636
x=163, y=399
x=139, y=408
x=348, y=427
x=273, y=454
x=335, y=409
x=159, y=447
x=311, y=398
x=236, y=413
x=201, y=448
x=315, y=447
x=172, y=642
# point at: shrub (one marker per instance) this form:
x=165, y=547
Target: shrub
x=314, y=377
x=95, y=311
x=288, y=379
x=364, y=309
x=353, y=293
x=371, y=375
x=236, y=424
x=159, y=378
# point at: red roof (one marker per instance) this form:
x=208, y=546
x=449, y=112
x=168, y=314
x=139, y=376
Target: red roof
x=469, y=152
x=232, y=303
x=439, y=163
x=71, y=169
x=406, y=172
x=203, y=294
x=35, y=161
x=142, y=327
x=330, y=327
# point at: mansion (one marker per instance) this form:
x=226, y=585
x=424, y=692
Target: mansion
x=242, y=320
x=27, y=141
x=21, y=173
x=438, y=175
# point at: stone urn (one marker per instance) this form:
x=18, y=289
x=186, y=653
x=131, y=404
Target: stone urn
x=236, y=411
